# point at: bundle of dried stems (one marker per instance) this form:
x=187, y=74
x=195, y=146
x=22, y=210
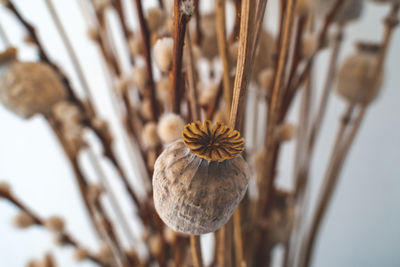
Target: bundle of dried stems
x=167, y=89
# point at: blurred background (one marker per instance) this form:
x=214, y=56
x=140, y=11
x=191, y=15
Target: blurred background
x=362, y=225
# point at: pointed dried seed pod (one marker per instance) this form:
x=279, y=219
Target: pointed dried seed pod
x=198, y=182
x=349, y=11
x=29, y=88
x=357, y=75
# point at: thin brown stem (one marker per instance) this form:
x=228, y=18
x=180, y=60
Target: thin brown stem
x=191, y=74
x=195, y=248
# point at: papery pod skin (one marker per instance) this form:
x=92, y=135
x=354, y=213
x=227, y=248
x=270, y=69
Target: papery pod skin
x=350, y=9
x=196, y=196
x=29, y=88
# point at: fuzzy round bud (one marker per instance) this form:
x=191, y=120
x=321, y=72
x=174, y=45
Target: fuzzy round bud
x=163, y=88
x=187, y=7
x=28, y=88
x=234, y=51
x=207, y=94
x=23, y=220
x=150, y=136
x=169, y=235
x=105, y=254
x=170, y=127
x=198, y=182
x=155, y=244
x=135, y=45
x=55, y=224
x=357, y=81
x=285, y=132
x=81, y=254
x=155, y=18
x=350, y=9
x=140, y=76
x=163, y=53
x=265, y=80
x=145, y=109
x=5, y=189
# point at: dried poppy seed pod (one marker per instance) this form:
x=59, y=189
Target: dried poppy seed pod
x=198, y=182
x=350, y=9
x=357, y=81
x=29, y=88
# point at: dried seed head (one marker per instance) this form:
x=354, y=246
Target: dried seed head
x=357, y=81
x=349, y=11
x=155, y=244
x=207, y=94
x=5, y=189
x=265, y=80
x=163, y=53
x=164, y=90
x=285, y=132
x=140, y=77
x=234, y=51
x=303, y=7
x=193, y=195
x=170, y=127
x=187, y=7
x=23, y=220
x=155, y=19
x=216, y=143
x=135, y=45
x=209, y=47
x=150, y=136
x=81, y=254
x=55, y=224
x=28, y=88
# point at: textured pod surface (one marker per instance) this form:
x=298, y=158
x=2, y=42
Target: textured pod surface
x=350, y=9
x=28, y=88
x=196, y=196
x=356, y=77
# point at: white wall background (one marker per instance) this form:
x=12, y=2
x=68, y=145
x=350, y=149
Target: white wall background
x=362, y=226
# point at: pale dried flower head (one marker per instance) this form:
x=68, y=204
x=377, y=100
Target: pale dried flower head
x=163, y=53
x=265, y=80
x=81, y=254
x=55, y=224
x=187, y=7
x=155, y=18
x=29, y=88
x=23, y=220
x=170, y=127
x=146, y=109
x=150, y=136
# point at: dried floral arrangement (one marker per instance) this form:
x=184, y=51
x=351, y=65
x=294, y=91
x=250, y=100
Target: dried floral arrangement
x=196, y=176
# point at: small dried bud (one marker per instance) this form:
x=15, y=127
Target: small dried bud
x=170, y=127
x=309, y=45
x=187, y=7
x=146, y=109
x=207, y=94
x=303, y=7
x=234, y=51
x=105, y=254
x=49, y=261
x=155, y=244
x=5, y=189
x=135, y=45
x=169, y=235
x=212, y=177
x=81, y=254
x=265, y=80
x=23, y=220
x=357, y=81
x=140, y=77
x=9, y=55
x=284, y=132
x=28, y=88
x=163, y=53
x=350, y=9
x=149, y=135
x=164, y=90
x=155, y=19
x=55, y=224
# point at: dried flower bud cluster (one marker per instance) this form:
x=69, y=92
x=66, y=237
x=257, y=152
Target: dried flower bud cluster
x=199, y=182
x=357, y=78
x=29, y=88
x=170, y=127
x=350, y=9
x=163, y=53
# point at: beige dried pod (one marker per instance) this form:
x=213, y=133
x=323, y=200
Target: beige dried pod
x=198, y=182
x=135, y=45
x=285, y=132
x=55, y=224
x=170, y=127
x=357, y=81
x=234, y=51
x=140, y=77
x=23, y=220
x=349, y=11
x=163, y=90
x=145, y=109
x=155, y=18
x=29, y=88
x=207, y=93
x=150, y=137
x=163, y=53
x=81, y=254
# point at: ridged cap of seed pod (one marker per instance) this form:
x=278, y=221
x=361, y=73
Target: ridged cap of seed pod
x=29, y=88
x=350, y=9
x=357, y=81
x=198, y=182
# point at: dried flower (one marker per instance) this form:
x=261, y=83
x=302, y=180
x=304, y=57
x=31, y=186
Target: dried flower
x=23, y=220
x=28, y=88
x=163, y=53
x=155, y=18
x=192, y=194
x=170, y=127
x=55, y=224
x=149, y=135
x=349, y=11
x=146, y=109
x=81, y=254
x=357, y=77
x=207, y=94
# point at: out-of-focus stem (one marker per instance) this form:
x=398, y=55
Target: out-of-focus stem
x=195, y=247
